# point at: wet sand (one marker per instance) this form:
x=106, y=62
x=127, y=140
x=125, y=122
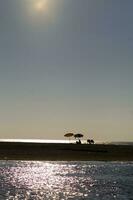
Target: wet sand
x=65, y=152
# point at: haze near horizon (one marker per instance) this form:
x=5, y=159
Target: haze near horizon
x=66, y=66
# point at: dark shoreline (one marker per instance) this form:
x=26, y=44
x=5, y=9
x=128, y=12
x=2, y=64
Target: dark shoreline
x=65, y=152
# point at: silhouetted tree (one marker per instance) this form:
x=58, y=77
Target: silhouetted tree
x=90, y=141
x=77, y=137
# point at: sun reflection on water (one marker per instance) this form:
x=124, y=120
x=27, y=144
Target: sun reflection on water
x=45, y=180
x=30, y=180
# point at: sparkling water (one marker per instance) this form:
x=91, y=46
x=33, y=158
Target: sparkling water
x=33, y=180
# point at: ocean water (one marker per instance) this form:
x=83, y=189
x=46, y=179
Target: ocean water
x=66, y=140
x=33, y=180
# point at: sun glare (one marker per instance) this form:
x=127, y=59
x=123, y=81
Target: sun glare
x=41, y=5
x=43, y=11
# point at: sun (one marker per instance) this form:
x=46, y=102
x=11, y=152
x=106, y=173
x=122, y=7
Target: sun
x=41, y=5
x=43, y=11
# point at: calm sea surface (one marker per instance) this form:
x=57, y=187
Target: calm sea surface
x=30, y=180
x=65, y=141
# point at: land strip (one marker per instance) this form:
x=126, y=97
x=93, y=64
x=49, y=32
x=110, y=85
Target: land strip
x=65, y=152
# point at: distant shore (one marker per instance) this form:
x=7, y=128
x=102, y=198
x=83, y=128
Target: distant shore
x=65, y=152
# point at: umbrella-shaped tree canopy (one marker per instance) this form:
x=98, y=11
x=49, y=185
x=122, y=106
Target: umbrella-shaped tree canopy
x=68, y=135
x=78, y=135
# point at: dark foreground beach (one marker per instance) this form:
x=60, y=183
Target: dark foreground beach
x=65, y=152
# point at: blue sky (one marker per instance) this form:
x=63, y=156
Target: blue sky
x=67, y=68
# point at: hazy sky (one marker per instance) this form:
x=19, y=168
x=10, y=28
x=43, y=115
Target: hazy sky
x=66, y=66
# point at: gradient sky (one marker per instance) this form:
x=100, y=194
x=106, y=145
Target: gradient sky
x=66, y=67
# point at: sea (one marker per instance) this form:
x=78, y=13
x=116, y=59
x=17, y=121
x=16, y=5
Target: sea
x=67, y=140
x=80, y=180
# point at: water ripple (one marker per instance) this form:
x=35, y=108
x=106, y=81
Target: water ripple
x=65, y=180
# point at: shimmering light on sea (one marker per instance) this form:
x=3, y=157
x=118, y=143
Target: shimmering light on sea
x=65, y=180
x=64, y=141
